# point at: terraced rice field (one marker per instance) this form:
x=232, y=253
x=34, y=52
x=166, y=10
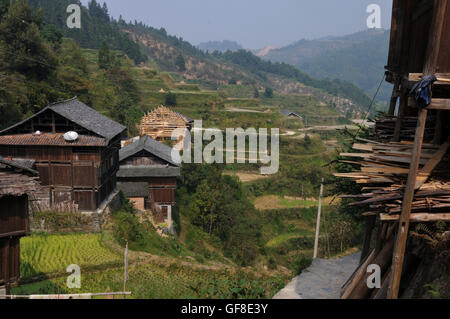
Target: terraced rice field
x=102, y=271
x=54, y=253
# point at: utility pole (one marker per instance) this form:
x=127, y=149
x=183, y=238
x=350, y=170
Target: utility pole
x=303, y=197
x=125, y=270
x=316, y=242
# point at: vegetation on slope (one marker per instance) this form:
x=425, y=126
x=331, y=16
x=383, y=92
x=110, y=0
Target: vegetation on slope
x=357, y=58
x=260, y=67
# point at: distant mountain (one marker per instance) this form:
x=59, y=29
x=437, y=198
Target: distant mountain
x=265, y=51
x=221, y=46
x=358, y=58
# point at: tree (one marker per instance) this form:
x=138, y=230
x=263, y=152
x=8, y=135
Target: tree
x=307, y=139
x=52, y=35
x=268, y=93
x=105, y=59
x=256, y=93
x=22, y=48
x=171, y=99
x=180, y=63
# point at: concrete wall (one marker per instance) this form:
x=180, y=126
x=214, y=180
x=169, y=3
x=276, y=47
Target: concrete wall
x=138, y=202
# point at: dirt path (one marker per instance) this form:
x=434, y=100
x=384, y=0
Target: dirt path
x=329, y=128
x=241, y=110
x=322, y=280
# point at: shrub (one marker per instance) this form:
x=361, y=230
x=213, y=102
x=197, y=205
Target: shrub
x=301, y=263
x=53, y=221
x=272, y=263
x=126, y=228
x=171, y=99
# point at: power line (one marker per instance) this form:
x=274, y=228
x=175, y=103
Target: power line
x=28, y=58
x=371, y=104
x=55, y=88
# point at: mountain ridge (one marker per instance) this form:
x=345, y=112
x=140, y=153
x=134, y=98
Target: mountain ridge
x=359, y=58
x=222, y=46
x=173, y=54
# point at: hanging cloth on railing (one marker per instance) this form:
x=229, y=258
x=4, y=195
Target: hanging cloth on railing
x=422, y=92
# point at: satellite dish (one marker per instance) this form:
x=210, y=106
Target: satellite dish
x=71, y=136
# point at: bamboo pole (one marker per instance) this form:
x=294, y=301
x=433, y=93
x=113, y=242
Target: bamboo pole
x=316, y=241
x=125, y=272
x=394, y=97
x=400, y=245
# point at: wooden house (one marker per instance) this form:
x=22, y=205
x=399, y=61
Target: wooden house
x=405, y=167
x=148, y=176
x=419, y=45
x=161, y=122
x=17, y=182
x=75, y=149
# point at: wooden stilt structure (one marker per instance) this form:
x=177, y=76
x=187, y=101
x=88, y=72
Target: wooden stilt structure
x=406, y=178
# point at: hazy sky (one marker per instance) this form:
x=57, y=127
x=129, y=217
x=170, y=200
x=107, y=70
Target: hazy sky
x=252, y=23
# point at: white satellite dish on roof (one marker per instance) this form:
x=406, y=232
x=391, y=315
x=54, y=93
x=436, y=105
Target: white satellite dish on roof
x=71, y=136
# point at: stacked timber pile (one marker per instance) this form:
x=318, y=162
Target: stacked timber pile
x=383, y=170
x=385, y=167
x=385, y=127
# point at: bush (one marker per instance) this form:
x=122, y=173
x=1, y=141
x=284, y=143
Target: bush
x=268, y=93
x=301, y=263
x=171, y=99
x=53, y=221
x=272, y=263
x=127, y=228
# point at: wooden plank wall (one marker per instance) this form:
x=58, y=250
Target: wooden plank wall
x=83, y=175
x=9, y=260
x=13, y=216
x=420, y=31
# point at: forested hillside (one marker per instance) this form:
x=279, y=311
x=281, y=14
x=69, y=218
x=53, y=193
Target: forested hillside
x=171, y=53
x=358, y=58
x=97, y=26
x=38, y=66
x=221, y=46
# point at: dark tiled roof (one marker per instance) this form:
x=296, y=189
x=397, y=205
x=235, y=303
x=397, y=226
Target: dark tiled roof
x=130, y=189
x=24, y=164
x=49, y=139
x=148, y=171
x=185, y=118
x=152, y=146
x=81, y=114
x=88, y=118
x=289, y=113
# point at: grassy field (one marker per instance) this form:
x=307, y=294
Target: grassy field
x=149, y=276
x=173, y=282
x=276, y=202
x=48, y=254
